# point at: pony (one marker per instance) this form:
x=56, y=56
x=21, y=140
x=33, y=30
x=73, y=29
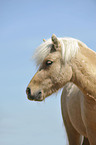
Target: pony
x=68, y=63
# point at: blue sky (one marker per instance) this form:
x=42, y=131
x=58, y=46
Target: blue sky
x=23, y=25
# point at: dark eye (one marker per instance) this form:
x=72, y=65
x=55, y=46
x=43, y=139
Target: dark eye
x=48, y=62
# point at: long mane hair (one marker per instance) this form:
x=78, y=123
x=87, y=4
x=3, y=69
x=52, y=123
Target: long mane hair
x=69, y=48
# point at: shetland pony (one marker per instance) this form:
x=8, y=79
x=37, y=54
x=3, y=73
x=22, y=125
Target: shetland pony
x=68, y=63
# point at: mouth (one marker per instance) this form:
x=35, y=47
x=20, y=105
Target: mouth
x=35, y=98
x=39, y=95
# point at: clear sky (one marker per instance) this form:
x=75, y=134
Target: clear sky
x=23, y=25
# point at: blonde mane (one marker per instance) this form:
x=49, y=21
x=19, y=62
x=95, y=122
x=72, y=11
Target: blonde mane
x=69, y=47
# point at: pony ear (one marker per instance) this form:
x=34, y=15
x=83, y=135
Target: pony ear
x=44, y=40
x=55, y=41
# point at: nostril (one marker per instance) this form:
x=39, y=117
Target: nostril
x=28, y=91
x=40, y=93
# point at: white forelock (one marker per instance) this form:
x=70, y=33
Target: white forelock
x=69, y=47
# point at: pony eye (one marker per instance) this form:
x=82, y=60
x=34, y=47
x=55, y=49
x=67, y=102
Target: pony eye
x=48, y=62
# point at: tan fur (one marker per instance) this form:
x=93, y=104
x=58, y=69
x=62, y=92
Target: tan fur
x=84, y=71
x=79, y=115
x=78, y=106
x=78, y=110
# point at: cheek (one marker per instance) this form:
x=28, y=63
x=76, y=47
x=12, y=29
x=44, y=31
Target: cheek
x=48, y=77
x=55, y=71
x=47, y=83
x=43, y=78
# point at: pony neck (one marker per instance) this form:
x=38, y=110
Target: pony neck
x=84, y=71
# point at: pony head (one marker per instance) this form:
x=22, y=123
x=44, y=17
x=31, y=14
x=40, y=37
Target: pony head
x=53, y=58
